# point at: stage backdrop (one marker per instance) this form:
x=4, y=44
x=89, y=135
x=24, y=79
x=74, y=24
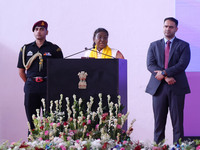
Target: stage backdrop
x=189, y=30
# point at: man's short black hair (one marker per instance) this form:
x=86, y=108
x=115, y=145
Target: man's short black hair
x=172, y=19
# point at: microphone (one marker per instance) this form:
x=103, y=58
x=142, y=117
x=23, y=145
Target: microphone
x=75, y=53
x=91, y=49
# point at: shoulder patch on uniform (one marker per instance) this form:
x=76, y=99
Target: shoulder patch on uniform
x=58, y=50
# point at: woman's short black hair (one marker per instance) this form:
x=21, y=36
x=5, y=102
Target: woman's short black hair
x=97, y=31
x=100, y=30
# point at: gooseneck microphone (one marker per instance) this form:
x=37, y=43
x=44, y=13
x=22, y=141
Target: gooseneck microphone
x=90, y=49
x=75, y=54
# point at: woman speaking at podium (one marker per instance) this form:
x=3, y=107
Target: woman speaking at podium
x=100, y=47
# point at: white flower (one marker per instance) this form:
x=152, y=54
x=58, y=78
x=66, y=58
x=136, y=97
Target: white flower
x=93, y=115
x=61, y=144
x=43, y=103
x=74, y=120
x=119, y=100
x=60, y=101
x=91, y=99
x=96, y=144
x=33, y=144
x=58, y=140
x=51, y=133
x=74, y=97
x=38, y=112
x=88, y=117
x=105, y=136
x=56, y=102
x=84, y=130
x=108, y=96
x=80, y=102
x=77, y=145
x=67, y=100
x=83, y=142
x=51, y=106
x=16, y=148
x=100, y=96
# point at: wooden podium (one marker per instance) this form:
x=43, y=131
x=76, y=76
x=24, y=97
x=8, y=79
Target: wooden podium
x=106, y=76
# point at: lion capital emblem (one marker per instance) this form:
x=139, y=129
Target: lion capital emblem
x=82, y=83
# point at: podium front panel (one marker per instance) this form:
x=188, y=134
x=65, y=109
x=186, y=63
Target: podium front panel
x=106, y=76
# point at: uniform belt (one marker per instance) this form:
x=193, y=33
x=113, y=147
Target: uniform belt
x=38, y=79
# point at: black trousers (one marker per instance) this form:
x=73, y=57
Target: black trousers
x=34, y=92
x=33, y=102
x=163, y=100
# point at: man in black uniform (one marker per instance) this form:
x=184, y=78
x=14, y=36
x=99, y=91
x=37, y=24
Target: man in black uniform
x=32, y=64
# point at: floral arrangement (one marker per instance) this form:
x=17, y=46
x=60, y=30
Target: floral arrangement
x=59, y=144
x=86, y=129
x=81, y=124
x=186, y=145
x=81, y=129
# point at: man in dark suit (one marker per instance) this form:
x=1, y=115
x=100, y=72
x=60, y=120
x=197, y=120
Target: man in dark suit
x=167, y=60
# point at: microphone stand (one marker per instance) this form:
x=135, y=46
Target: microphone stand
x=75, y=53
x=90, y=49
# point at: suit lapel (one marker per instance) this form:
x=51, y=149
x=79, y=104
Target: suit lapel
x=162, y=51
x=173, y=47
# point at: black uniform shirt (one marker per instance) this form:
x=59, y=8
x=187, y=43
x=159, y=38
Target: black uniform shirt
x=48, y=50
